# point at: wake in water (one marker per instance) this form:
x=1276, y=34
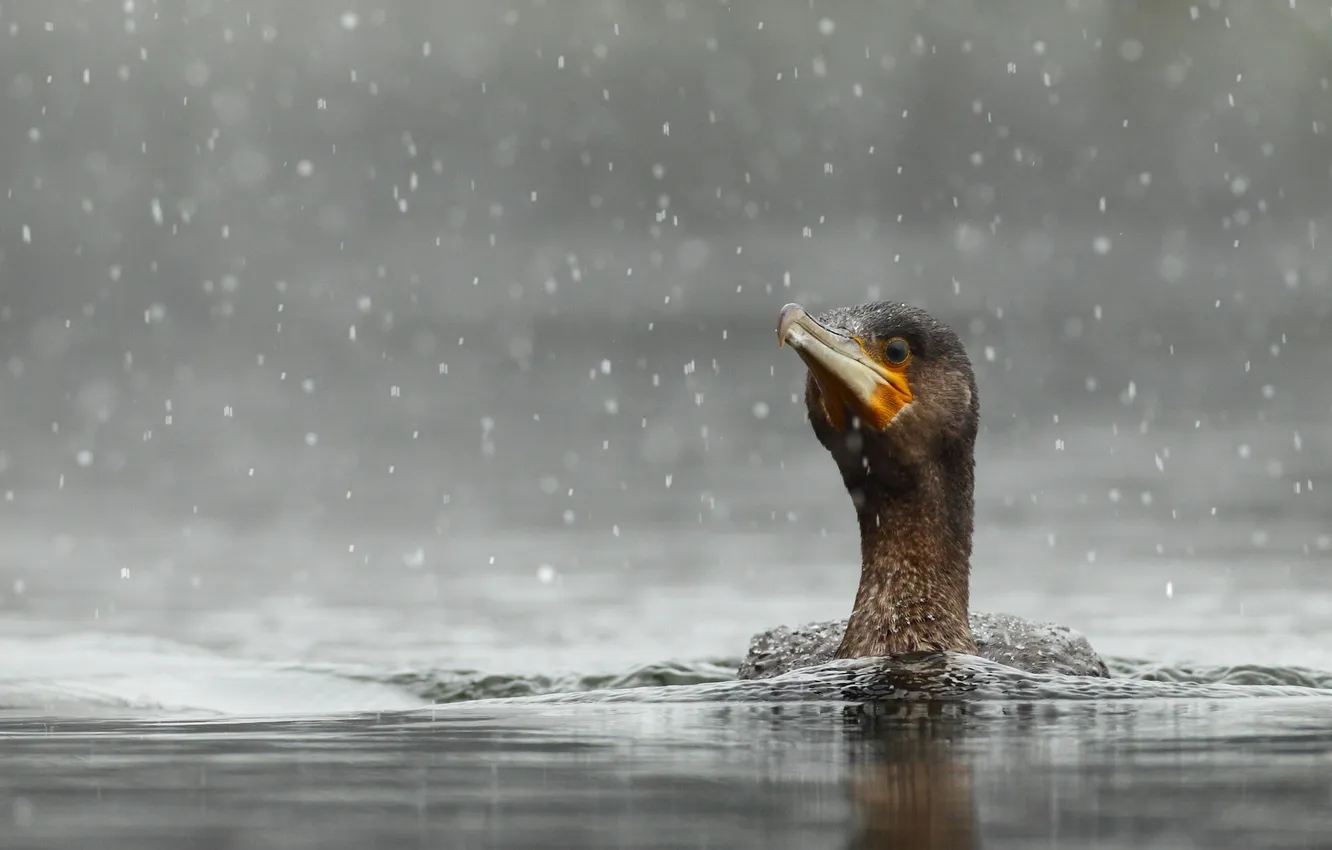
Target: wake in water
x=934, y=676
x=110, y=675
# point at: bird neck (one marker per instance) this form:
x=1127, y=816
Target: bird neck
x=915, y=549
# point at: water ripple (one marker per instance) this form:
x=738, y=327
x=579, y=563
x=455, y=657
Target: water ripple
x=937, y=676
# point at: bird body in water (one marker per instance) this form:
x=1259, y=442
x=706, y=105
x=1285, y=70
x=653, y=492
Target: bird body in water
x=891, y=394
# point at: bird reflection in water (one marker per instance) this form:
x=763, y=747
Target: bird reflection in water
x=910, y=791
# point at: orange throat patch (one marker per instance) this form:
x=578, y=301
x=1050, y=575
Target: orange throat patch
x=877, y=412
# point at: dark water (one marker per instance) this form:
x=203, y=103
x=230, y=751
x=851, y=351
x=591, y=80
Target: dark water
x=1170, y=773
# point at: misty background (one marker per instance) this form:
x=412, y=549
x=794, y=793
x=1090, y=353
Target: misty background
x=436, y=327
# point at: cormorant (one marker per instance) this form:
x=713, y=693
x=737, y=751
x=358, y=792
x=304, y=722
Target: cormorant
x=891, y=395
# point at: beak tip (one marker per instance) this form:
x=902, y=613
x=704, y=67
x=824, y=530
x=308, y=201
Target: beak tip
x=787, y=318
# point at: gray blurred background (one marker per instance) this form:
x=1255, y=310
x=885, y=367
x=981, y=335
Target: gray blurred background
x=434, y=306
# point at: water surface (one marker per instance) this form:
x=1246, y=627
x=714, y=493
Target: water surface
x=1155, y=774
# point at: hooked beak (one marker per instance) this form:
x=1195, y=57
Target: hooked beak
x=848, y=376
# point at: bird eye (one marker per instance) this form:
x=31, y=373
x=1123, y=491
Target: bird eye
x=897, y=351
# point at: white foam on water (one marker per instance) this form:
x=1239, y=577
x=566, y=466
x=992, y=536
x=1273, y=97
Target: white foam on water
x=93, y=673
